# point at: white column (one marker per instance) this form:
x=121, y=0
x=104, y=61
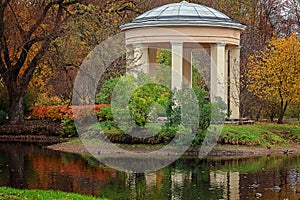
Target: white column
x=235, y=82
x=226, y=75
x=218, y=73
x=177, y=64
x=187, y=66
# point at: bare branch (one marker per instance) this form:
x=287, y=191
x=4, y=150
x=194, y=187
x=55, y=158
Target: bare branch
x=45, y=11
x=3, y=44
x=6, y=53
x=39, y=21
x=24, y=53
x=2, y=68
x=34, y=62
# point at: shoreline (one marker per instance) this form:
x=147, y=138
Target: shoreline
x=237, y=140
x=218, y=151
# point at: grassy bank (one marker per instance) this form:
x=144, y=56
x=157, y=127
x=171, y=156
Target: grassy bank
x=9, y=193
x=235, y=140
x=265, y=135
x=259, y=135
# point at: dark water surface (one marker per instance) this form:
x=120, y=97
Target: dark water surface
x=35, y=167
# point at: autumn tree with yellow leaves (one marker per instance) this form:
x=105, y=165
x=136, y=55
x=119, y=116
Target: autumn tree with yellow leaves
x=274, y=74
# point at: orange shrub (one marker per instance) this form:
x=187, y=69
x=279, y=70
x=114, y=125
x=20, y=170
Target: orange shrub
x=60, y=112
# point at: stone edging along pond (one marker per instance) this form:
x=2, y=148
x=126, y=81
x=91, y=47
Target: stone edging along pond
x=41, y=139
x=39, y=131
x=37, y=127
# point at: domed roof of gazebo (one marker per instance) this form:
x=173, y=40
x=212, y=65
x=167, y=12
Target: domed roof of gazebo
x=183, y=14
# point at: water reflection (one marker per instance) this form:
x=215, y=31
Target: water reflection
x=34, y=167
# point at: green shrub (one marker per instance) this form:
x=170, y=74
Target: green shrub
x=200, y=136
x=108, y=125
x=201, y=112
x=167, y=133
x=105, y=94
x=204, y=108
x=144, y=99
x=195, y=105
x=135, y=99
x=67, y=127
x=138, y=102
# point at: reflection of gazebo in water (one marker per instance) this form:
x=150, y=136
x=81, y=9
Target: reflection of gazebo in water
x=183, y=27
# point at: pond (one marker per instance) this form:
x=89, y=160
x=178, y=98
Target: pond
x=36, y=167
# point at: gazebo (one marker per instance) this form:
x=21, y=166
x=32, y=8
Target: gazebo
x=182, y=27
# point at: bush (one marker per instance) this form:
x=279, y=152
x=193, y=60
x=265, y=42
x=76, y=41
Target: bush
x=199, y=111
x=200, y=136
x=67, y=127
x=137, y=101
x=145, y=99
x=134, y=96
x=60, y=112
x=105, y=94
x=167, y=133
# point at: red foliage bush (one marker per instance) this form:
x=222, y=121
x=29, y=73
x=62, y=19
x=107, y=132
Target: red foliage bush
x=60, y=112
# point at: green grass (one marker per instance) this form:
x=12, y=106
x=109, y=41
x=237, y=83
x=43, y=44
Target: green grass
x=260, y=135
x=9, y=193
x=74, y=141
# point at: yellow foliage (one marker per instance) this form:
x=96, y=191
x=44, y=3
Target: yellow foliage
x=274, y=74
x=45, y=99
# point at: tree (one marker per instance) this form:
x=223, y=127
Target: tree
x=82, y=34
x=27, y=29
x=274, y=75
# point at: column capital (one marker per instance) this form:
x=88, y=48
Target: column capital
x=218, y=44
x=176, y=43
x=221, y=44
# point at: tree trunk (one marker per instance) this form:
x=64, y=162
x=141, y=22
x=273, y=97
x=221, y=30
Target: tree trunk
x=283, y=107
x=16, y=109
x=16, y=103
